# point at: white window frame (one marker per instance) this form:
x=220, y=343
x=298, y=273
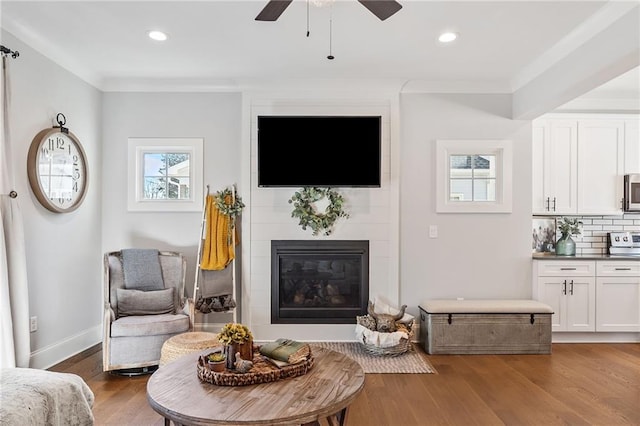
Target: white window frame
x=138, y=147
x=501, y=149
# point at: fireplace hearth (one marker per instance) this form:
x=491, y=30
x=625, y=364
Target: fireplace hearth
x=319, y=282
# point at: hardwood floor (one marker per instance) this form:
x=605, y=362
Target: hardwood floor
x=579, y=384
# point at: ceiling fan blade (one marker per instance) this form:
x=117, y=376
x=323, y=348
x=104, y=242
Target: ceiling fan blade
x=381, y=8
x=273, y=10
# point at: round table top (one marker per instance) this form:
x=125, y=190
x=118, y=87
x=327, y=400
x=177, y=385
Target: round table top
x=176, y=392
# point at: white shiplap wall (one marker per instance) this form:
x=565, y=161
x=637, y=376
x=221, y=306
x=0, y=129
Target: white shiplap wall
x=373, y=217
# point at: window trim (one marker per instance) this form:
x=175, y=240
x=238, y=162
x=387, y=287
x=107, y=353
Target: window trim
x=502, y=149
x=137, y=147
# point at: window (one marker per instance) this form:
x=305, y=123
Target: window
x=165, y=174
x=473, y=176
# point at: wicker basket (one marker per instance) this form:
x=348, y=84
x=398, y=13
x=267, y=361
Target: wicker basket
x=399, y=349
x=263, y=371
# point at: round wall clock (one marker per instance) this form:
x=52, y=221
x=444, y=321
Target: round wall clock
x=57, y=168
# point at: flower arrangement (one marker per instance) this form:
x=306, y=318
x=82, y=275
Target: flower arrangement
x=569, y=226
x=304, y=209
x=234, y=333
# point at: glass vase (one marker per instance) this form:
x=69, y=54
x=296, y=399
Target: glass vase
x=566, y=246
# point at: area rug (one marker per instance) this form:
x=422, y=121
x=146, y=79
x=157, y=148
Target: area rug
x=411, y=362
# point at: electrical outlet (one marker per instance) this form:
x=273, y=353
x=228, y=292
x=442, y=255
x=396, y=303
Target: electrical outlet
x=433, y=231
x=33, y=324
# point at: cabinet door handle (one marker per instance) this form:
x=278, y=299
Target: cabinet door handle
x=548, y=203
x=623, y=269
x=554, y=204
x=568, y=269
x=571, y=288
x=564, y=287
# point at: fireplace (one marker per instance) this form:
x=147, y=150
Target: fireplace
x=319, y=282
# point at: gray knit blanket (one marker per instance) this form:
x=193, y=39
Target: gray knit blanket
x=29, y=396
x=141, y=269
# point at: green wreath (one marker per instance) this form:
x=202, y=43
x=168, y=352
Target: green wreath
x=229, y=206
x=232, y=209
x=304, y=209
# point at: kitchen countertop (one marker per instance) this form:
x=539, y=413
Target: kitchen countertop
x=552, y=256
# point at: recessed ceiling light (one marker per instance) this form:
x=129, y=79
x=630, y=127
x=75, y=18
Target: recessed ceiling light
x=447, y=37
x=157, y=35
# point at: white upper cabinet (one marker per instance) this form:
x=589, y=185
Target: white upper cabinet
x=555, y=176
x=563, y=171
x=579, y=161
x=539, y=147
x=600, y=166
x=632, y=145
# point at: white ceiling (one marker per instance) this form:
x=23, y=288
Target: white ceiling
x=502, y=45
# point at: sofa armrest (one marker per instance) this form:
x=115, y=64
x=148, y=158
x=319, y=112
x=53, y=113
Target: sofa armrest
x=189, y=309
x=110, y=315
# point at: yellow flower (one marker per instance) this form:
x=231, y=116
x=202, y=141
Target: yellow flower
x=234, y=333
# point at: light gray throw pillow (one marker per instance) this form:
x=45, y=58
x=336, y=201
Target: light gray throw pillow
x=137, y=302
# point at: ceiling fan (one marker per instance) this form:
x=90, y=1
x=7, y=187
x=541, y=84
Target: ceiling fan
x=381, y=8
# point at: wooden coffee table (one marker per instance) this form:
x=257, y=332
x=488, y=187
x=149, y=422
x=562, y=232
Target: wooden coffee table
x=326, y=391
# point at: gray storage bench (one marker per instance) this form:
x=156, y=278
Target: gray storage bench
x=485, y=327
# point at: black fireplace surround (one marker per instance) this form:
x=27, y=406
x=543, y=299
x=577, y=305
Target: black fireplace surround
x=319, y=282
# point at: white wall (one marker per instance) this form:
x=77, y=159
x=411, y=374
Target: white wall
x=63, y=250
x=215, y=117
x=475, y=255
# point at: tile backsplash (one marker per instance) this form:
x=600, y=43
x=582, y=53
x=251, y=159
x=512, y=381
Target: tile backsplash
x=593, y=239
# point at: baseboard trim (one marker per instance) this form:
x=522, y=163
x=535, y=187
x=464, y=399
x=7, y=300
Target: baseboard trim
x=594, y=337
x=54, y=354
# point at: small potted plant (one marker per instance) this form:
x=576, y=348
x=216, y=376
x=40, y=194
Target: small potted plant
x=217, y=361
x=568, y=226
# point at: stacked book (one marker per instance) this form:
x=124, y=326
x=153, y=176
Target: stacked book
x=284, y=352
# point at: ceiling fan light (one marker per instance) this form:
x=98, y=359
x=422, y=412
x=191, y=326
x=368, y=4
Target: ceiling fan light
x=447, y=37
x=157, y=35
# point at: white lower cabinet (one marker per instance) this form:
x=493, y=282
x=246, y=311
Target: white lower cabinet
x=569, y=288
x=618, y=296
x=590, y=295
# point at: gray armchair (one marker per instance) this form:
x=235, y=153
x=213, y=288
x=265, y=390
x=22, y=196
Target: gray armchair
x=139, y=316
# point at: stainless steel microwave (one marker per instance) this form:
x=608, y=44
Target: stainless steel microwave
x=632, y=193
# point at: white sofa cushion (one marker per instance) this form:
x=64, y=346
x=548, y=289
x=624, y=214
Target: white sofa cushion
x=485, y=306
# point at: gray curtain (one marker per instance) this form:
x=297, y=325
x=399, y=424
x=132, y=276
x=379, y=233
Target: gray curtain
x=15, y=349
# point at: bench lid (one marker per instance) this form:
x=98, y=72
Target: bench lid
x=486, y=306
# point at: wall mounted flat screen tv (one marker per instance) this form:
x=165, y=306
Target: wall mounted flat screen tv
x=326, y=151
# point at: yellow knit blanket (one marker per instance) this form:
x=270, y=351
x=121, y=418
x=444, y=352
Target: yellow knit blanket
x=218, y=250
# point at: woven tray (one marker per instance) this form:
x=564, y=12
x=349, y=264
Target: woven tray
x=399, y=349
x=263, y=371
